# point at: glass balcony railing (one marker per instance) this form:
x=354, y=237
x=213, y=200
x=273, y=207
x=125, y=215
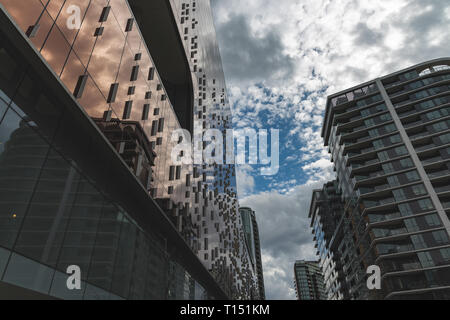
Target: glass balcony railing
x=377, y=203
x=438, y=173
x=391, y=249
x=383, y=233
x=365, y=190
x=442, y=189
x=375, y=218
x=426, y=147
x=412, y=124
x=419, y=135
x=432, y=160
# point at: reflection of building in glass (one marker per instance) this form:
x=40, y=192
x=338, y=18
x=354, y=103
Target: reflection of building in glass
x=99, y=189
x=330, y=234
x=389, y=140
x=309, y=280
x=251, y=233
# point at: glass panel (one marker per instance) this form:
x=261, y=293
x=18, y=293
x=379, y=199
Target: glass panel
x=4, y=256
x=124, y=260
x=44, y=226
x=59, y=288
x=22, y=154
x=28, y=274
x=94, y=293
x=55, y=50
x=80, y=234
x=104, y=255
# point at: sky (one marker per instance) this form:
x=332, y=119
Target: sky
x=281, y=60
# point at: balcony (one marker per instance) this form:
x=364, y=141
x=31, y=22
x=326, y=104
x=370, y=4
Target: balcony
x=384, y=233
x=394, y=248
x=358, y=178
x=377, y=203
x=412, y=124
x=433, y=175
x=426, y=147
x=432, y=160
x=442, y=189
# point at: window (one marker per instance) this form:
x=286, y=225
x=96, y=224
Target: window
x=418, y=241
x=378, y=144
x=388, y=167
x=425, y=259
x=405, y=209
x=383, y=156
x=393, y=181
x=412, y=176
x=399, y=195
x=440, y=126
x=440, y=237
x=391, y=128
x=425, y=204
x=401, y=151
x=178, y=172
x=433, y=220
x=419, y=190
x=161, y=125
x=445, y=138
x=406, y=163
x=395, y=139
x=411, y=225
x=171, y=173
x=445, y=253
x=154, y=127
x=369, y=122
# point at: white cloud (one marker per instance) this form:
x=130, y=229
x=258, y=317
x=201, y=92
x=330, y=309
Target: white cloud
x=285, y=234
x=282, y=58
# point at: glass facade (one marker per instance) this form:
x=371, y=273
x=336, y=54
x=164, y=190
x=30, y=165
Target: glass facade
x=54, y=212
x=251, y=232
x=390, y=149
x=309, y=281
x=329, y=226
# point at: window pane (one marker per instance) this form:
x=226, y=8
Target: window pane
x=28, y=274
x=22, y=154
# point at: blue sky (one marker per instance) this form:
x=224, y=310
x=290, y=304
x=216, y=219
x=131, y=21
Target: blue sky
x=281, y=60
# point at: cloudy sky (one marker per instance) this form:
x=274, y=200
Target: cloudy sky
x=281, y=59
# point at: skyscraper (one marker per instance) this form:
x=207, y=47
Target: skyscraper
x=309, y=280
x=329, y=226
x=251, y=233
x=92, y=94
x=389, y=141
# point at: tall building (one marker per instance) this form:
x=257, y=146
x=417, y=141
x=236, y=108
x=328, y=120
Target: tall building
x=329, y=226
x=389, y=141
x=309, y=280
x=92, y=94
x=251, y=233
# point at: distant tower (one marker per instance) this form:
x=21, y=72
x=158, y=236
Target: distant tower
x=253, y=244
x=309, y=280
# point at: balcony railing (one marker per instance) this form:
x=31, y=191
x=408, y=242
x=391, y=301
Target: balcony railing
x=383, y=233
x=438, y=173
x=374, y=218
x=432, y=160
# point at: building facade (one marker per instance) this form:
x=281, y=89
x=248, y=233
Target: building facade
x=309, y=283
x=389, y=141
x=330, y=228
x=251, y=233
x=92, y=100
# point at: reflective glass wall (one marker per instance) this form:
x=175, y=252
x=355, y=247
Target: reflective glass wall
x=106, y=65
